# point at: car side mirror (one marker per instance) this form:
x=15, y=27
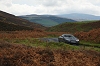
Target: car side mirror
x=62, y=36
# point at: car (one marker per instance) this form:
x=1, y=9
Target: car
x=68, y=38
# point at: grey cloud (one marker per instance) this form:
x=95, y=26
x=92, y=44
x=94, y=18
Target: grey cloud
x=50, y=3
x=51, y=6
x=6, y=3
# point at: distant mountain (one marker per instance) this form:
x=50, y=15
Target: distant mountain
x=11, y=21
x=80, y=17
x=46, y=20
x=75, y=27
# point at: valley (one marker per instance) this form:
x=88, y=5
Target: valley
x=46, y=20
x=25, y=43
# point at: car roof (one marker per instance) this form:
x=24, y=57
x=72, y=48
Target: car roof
x=67, y=34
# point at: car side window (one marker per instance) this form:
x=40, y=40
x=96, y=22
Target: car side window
x=66, y=36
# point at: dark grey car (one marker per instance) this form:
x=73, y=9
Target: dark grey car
x=68, y=38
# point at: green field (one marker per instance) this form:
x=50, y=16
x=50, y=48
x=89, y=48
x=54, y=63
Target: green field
x=76, y=26
x=47, y=22
x=33, y=42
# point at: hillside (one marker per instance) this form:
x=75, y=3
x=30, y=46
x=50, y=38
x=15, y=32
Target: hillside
x=14, y=20
x=46, y=20
x=21, y=55
x=12, y=27
x=92, y=36
x=75, y=27
x=80, y=17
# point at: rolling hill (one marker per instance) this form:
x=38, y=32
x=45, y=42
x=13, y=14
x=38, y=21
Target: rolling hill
x=46, y=20
x=12, y=27
x=80, y=17
x=75, y=27
x=12, y=21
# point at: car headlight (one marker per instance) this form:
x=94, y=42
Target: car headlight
x=77, y=40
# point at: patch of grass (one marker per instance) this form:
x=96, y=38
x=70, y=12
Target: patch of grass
x=47, y=22
x=52, y=45
x=90, y=44
x=75, y=27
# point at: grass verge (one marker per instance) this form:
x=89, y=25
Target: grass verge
x=89, y=44
x=54, y=45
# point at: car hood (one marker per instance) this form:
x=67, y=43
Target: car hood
x=71, y=38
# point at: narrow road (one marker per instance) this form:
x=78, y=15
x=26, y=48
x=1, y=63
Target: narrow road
x=49, y=39
x=56, y=40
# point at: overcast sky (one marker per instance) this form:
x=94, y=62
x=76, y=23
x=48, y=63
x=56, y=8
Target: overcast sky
x=24, y=7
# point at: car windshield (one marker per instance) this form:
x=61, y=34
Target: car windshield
x=69, y=36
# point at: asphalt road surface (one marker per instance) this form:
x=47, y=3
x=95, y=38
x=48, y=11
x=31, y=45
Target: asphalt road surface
x=49, y=39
